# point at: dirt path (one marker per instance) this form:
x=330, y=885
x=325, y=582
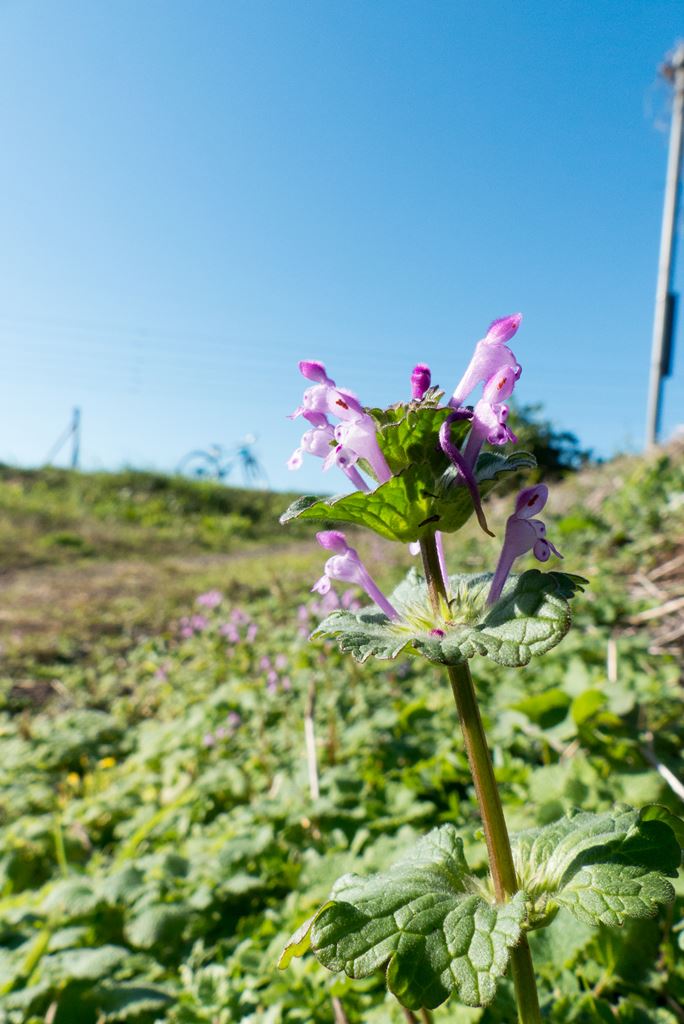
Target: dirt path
x=51, y=614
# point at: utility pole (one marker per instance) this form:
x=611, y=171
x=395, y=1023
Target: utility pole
x=75, y=438
x=663, y=321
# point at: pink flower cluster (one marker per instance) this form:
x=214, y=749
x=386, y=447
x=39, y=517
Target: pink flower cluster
x=223, y=732
x=276, y=676
x=353, y=445
x=240, y=626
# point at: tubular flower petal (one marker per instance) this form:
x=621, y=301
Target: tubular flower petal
x=453, y=453
x=333, y=540
x=523, y=534
x=320, y=441
x=490, y=414
x=491, y=355
x=313, y=370
x=503, y=329
x=359, y=435
x=346, y=565
x=420, y=380
x=315, y=441
x=531, y=501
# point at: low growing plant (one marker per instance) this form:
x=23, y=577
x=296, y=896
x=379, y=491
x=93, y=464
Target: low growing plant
x=420, y=469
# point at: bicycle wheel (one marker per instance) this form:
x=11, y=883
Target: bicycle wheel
x=199, y=465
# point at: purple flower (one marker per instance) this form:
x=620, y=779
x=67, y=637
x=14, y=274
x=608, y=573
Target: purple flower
x=265, y=663
x=313, y=370
x=208, y=740
x=490, y=415
x=346, y=565
x=251, y=633
x=420, y=380
x=230, y=632
x=315, y=441
x=280, y=662
x=324, y=396
x=491, y=354
x=523, y=534
x=234, y=720
x=211, y=599
x=359, y=435
x=356, y=435
x=222, y=733
x=199, y=622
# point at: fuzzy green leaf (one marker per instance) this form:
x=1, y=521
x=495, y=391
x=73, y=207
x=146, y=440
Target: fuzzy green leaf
x=414, y=438
x=531, y=616
x=415, y=502
x=604, y=868
x=82, y=964
x=423, y=921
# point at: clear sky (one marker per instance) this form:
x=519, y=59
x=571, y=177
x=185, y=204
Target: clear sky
x=193, y=196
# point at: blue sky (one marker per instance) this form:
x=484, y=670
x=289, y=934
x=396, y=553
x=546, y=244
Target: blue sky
x=194, y=196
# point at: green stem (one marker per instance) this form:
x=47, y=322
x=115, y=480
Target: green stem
x=60, y=850
x=433, y=576
x=496, y=834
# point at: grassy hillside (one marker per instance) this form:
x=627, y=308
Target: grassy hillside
x=159, y=834
x=56, y=516
x=94, y=561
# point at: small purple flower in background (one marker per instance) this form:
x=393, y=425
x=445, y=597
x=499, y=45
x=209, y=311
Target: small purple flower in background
x=234, y=720
x=251, y=633
x=239, y=617
x=265, y=663
x=230, y=632
x=185, y=628
x=199, y=623
x=280, y=662
x=222, y=733
x=491, y=355
x=349, y=601
x=420, y=380
x=208, y=740
x=346, y=565
x=523, y=534
x=211, y=599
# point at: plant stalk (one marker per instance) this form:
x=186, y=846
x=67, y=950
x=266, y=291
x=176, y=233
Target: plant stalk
x=496, y=833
